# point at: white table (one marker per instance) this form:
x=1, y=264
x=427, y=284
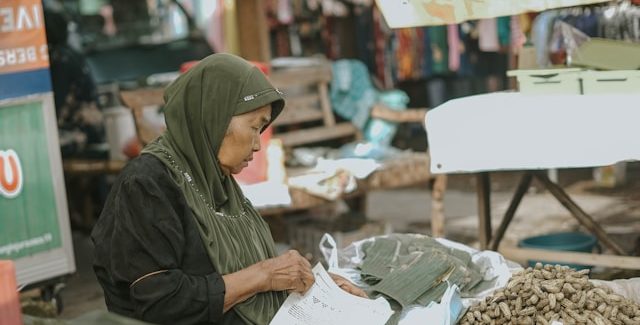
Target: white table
x=512, y=131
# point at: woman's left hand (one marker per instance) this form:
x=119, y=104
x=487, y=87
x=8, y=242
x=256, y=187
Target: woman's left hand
x=347, y=286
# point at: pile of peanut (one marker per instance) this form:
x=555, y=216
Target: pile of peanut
x=542, y=295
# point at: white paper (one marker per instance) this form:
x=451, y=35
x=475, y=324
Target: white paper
x=326, y=303
x=514, y=131
x=358, y=167
x=333, y=177
x=267, y=194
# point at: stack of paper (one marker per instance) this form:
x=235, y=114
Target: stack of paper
x=326, y=303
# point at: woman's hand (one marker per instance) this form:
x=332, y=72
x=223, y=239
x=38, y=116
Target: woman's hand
x=289, y=271
x=347, y=286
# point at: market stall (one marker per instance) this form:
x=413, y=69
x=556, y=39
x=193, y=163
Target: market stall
x=492, y=132
x=532, y=133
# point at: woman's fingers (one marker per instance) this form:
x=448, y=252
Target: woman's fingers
x=347, y=286
x=354, y=290
x=297, y=278
x=308, y=280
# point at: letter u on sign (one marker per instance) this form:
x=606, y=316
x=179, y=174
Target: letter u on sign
x=11, y=178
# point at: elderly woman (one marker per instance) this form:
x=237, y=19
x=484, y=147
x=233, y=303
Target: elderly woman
x=177, y=242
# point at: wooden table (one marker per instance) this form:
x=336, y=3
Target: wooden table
x=492, y=241
x=80, y=167
x=82, y=178
x=408, y=170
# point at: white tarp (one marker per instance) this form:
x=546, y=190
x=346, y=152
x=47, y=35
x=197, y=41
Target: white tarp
x=412, y=13
x=513, y=131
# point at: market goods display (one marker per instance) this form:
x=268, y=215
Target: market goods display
x=414, y=270
x=550, y=293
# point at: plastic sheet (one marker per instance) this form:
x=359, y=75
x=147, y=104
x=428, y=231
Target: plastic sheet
x=495, y=269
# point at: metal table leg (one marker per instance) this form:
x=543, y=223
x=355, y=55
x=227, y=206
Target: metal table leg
x=585, y=219
x=483, y=184
x=525, y=182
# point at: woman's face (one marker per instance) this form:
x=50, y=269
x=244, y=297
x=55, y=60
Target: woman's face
x=242, y=139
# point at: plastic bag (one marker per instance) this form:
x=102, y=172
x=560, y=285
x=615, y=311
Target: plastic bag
x=496, y=270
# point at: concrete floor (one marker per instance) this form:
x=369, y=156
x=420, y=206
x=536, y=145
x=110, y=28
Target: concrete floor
x=408, y=210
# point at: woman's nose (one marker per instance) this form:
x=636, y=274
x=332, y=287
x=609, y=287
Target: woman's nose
x=256, y=144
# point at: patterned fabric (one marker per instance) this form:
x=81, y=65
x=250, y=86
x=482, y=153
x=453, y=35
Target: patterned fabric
x=352, y=93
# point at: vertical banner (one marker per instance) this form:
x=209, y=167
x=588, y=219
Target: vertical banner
x=28, y=212
x=24, y=59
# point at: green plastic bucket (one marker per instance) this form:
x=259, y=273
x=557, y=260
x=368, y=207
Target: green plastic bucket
x=564, y=241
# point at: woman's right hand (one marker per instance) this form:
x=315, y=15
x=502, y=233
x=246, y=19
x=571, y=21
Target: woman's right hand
x=289, y=271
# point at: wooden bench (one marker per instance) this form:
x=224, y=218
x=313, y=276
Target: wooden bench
x=307, y=101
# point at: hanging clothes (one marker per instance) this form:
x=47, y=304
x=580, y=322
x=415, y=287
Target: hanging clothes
x=215, y=33
x=352, y=94
x=418, y=54
x=540, y=33
x=403, y=53
x=518, y=39
x=453, y=42
x=281, y=40
x=231, y=27
x=381, y=42
x=427, y=56
x=504, y=31
x=468, y=49
x=488, y=35
x=285, y=12
x=587, y=22
x=365, y=46
x=439, y=50
x=409, y=52
x=329, y=37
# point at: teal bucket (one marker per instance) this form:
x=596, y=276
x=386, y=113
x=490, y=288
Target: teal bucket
x=565, y=241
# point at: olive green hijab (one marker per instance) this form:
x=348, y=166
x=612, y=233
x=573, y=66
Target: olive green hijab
x=199, y=108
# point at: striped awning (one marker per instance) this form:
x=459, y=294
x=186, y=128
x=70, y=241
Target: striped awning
x=414, y=13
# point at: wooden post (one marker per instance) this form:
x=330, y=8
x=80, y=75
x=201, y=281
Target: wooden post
x=525, y=182
x=437, y=205
x=483, y=185
x=578, y=213
x=253, y=32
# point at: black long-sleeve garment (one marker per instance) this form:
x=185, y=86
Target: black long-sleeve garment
x=146, y=226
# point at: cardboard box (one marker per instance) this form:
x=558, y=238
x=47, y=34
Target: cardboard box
x=611, y=82
x=548, y=81
x=606, y=54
